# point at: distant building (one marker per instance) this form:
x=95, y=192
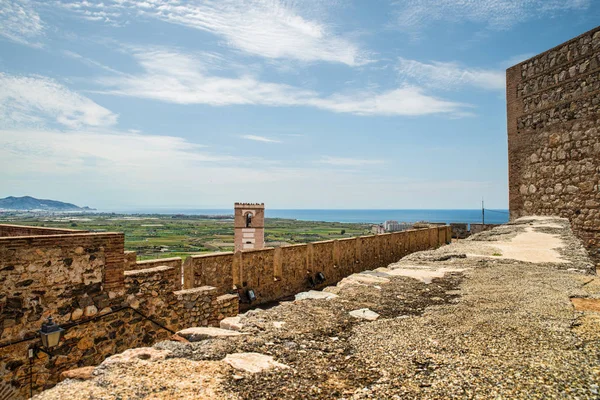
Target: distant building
x=377, y=229
x=394, y=226
x=249, y=226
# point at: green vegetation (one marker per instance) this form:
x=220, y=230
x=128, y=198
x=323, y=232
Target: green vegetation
x=159, y=236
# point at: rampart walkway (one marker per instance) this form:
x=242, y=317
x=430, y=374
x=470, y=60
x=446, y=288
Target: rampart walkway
x=486, y=317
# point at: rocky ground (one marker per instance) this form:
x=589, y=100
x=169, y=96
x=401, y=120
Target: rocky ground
x=488, y=317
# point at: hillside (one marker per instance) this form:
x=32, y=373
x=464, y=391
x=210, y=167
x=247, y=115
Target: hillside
x=31, y=203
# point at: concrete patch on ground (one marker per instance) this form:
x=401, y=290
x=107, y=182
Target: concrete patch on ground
x=532, y=246
x=252, y=362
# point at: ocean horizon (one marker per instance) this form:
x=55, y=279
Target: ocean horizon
x=495, y=216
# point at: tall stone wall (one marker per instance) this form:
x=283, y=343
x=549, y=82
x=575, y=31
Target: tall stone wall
x=553, y=107
x=274, y=274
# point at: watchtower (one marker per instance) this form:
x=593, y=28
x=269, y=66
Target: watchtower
x=249, y=226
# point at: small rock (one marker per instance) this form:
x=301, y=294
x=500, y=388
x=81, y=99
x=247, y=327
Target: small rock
x=77, y=313
x=82, y=374
x=315, y=294
x=203, y=333
x=85, y=343
x=231, y=323
x=252, y=362
x=90, y=311
x=364, y=313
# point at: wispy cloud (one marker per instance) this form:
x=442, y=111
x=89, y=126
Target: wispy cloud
x=349, y=162
x=36, y=100
x=260, y=139
x=118, y=167
x=450, y=75
x=267, y=28
x=20, y=23
x=89, y=61
x=181, y=78
x=414, y=15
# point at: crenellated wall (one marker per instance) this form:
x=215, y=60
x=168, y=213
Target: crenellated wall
x=553, y=105
x=277, y=273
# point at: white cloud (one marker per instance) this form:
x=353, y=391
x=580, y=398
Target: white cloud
x=260, y=139
x=36, y=100
x=104, y=168
x=184, y=79
x=19, y=22
x=409, y=100
x=267, y=28
x=348, y=162
x=414, y=15
x=449, y=75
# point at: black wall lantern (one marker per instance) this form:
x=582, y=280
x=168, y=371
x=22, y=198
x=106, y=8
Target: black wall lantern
x=50, y=334
x=251, y=295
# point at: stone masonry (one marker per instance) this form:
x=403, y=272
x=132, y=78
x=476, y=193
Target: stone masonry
x=94, y=290
x=553, y=107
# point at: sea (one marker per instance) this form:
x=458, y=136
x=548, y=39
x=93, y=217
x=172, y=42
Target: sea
x=497, y=216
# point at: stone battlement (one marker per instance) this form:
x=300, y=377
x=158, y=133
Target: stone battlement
x=253, y=205
x=101, y=295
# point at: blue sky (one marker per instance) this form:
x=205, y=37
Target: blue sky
x=298, y=104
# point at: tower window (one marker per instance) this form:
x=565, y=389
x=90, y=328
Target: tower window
x=248, y=220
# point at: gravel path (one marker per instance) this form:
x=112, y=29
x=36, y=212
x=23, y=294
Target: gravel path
x=486, y=326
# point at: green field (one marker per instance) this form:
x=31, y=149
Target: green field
x=159, y=236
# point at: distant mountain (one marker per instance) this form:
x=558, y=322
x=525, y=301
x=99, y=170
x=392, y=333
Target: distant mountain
x=31, y=203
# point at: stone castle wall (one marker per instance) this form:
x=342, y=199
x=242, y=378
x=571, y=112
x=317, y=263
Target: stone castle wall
x=553, y=104
x=79, y=280
x=97, y=291
x=18, y=230
x=277, y=273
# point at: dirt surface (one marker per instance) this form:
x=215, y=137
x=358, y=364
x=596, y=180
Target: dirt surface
x=486, y=326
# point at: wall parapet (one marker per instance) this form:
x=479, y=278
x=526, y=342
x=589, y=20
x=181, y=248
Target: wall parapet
x=8, y=230
x=276, y=273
